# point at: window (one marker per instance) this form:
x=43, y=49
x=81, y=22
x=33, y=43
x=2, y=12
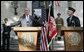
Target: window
x=37, y=4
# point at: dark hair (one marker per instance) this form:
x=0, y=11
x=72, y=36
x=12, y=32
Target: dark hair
x=72, y=9
x=58, y=14
x=5, y=19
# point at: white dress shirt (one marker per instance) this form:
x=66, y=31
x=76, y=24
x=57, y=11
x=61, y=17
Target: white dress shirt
x=27, y=18
x=71, y=18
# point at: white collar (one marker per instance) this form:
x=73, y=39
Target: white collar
x=7, y=24
x=71, y=16
x=27, y=17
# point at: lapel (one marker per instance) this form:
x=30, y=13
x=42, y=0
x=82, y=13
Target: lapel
x=72, y=18
x=69, y=20
x=25, y=17
x=29, y=17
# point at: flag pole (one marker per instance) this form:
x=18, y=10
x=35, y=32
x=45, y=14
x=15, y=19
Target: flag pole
x=45, y=26
x=48, y=24
x=48, y=21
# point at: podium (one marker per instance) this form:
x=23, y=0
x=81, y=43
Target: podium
x=73, y=38
x=27, y=37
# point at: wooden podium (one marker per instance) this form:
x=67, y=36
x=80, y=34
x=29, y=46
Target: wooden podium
x=25, y=33
x=73, y=38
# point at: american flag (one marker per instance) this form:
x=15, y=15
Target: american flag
x=43, y=40
x=57, y=3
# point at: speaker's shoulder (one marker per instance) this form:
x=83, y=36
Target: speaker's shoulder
x=75, y=17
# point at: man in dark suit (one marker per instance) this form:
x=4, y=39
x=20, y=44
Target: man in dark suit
x=6, y=34
x=37, y=20
x=72, y=21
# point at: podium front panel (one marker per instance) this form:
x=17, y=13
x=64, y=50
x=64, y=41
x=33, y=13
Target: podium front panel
x=73, y=45
x=27, y=37
x=73, y=38
x=27, y=48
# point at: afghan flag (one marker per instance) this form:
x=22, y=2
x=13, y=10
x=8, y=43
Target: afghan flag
x=52, y=30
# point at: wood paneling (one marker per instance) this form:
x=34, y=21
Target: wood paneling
x=35, y=31
x=67, y=31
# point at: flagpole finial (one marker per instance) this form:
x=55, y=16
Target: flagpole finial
x=50, y=5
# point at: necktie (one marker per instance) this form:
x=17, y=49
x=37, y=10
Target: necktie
x=27, y=18
x=70, y=18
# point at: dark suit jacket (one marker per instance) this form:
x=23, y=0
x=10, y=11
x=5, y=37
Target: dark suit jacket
x=75, y=22
x=6, y=29
x=37, y=21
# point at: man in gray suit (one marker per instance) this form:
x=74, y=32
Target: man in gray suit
x=25, y=21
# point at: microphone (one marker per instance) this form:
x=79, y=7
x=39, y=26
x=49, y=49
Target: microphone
x=50, y=5
x=73, y=23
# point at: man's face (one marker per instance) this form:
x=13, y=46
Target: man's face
x=27, y=11
x=58, y=16
x=70, y=12
x=6, y=20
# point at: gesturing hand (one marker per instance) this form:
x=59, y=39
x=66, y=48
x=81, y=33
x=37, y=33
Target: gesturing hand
x=5, y=32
